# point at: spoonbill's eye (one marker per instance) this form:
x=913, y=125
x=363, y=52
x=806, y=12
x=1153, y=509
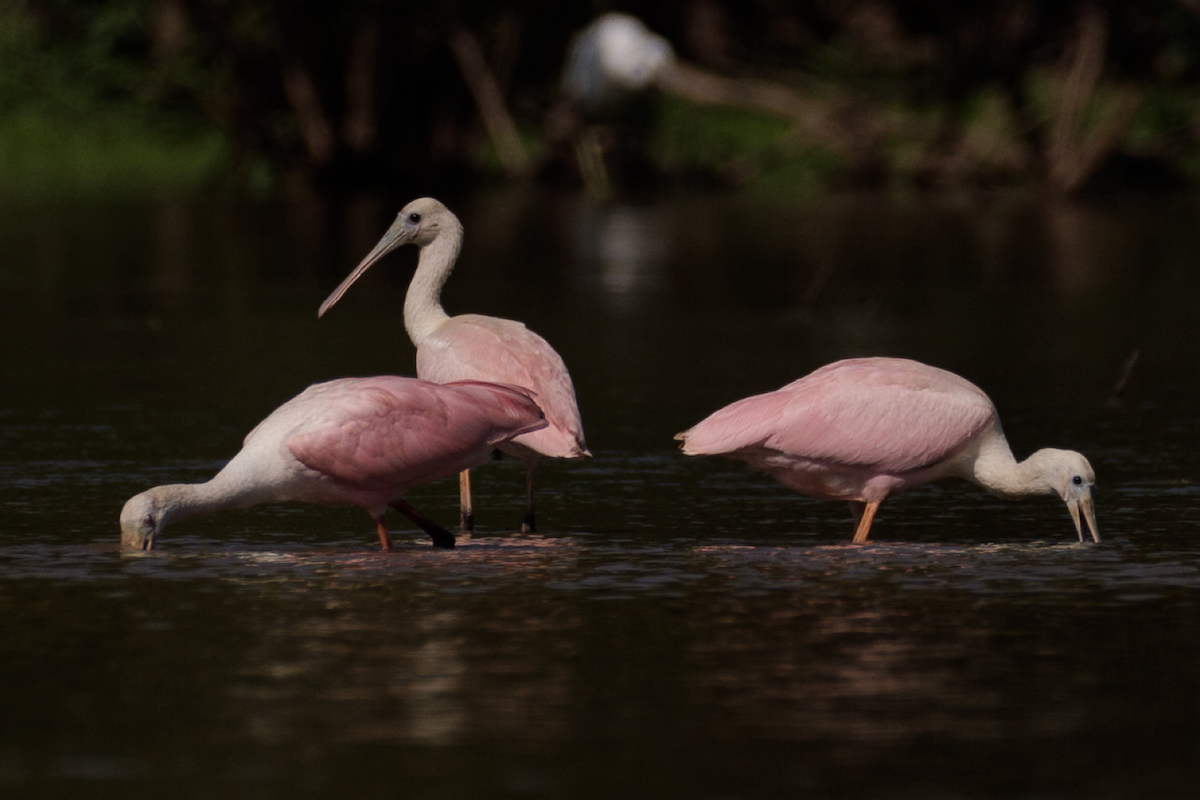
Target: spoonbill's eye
x=414, y=218
x=1077, y=480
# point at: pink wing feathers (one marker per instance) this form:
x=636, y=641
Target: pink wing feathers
x=477, y=347
x=893, y=415
x=393, y=433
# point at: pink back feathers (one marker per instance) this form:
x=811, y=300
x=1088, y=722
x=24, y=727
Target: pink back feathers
x=891, y=415
x=392, y=433
x=477, y=347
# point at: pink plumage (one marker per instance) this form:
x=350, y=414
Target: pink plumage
x=357, y=441
x=863, y=429
x=388, y=434
x=476, y=347
x=471, y=346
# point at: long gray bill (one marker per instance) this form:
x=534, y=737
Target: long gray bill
x=390, y=241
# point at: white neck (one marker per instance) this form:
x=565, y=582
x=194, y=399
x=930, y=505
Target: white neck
x=180, y=501
x=423, y=312
x=997, y=470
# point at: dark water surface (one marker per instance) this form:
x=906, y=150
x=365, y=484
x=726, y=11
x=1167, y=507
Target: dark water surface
x=681, y=628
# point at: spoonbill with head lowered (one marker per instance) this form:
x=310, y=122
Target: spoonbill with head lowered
x=358, y=441
x=476, y=347
x=864, y=429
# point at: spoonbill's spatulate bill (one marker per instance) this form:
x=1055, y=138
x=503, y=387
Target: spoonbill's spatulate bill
x=476, y=347
x=354, y=441
x=863, y=429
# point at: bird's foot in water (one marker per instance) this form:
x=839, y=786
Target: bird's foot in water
x=440, y=536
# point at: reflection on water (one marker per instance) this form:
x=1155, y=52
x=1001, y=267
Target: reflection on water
x=550, y=647
x=685, y=627
x=628, y=245
x=629, y=570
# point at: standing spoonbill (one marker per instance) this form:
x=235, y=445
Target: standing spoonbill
x=358, y=441
x=866, y=428
x=476, y=347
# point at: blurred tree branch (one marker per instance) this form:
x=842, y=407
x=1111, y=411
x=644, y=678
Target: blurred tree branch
x=929, y=92
x=1076, y=149
x=490, y=99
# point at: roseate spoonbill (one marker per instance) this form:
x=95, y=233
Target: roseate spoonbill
x=866, y=428
x=359, y=441
x=476, y=347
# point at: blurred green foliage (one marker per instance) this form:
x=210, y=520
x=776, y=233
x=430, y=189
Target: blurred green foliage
x=84, y=108
x=44, y=154
x=737, y=147
x=178, y=95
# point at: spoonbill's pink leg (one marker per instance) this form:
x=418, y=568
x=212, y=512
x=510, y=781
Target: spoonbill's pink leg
x=385, y=539
x=466, y=519
x=864, y=524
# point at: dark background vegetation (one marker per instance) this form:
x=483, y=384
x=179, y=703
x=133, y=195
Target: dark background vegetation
x=927, y=93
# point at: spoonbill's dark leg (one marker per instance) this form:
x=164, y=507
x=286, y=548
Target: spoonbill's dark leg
x=441, y=537
x=385, y=539
x=466, y=519
x=864, y=524
x=530, y=525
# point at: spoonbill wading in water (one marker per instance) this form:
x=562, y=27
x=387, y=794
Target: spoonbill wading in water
x=476, y=347
x=358, y=441
x=866, y=428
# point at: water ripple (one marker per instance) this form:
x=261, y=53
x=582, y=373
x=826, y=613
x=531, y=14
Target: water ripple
x=604, y=569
